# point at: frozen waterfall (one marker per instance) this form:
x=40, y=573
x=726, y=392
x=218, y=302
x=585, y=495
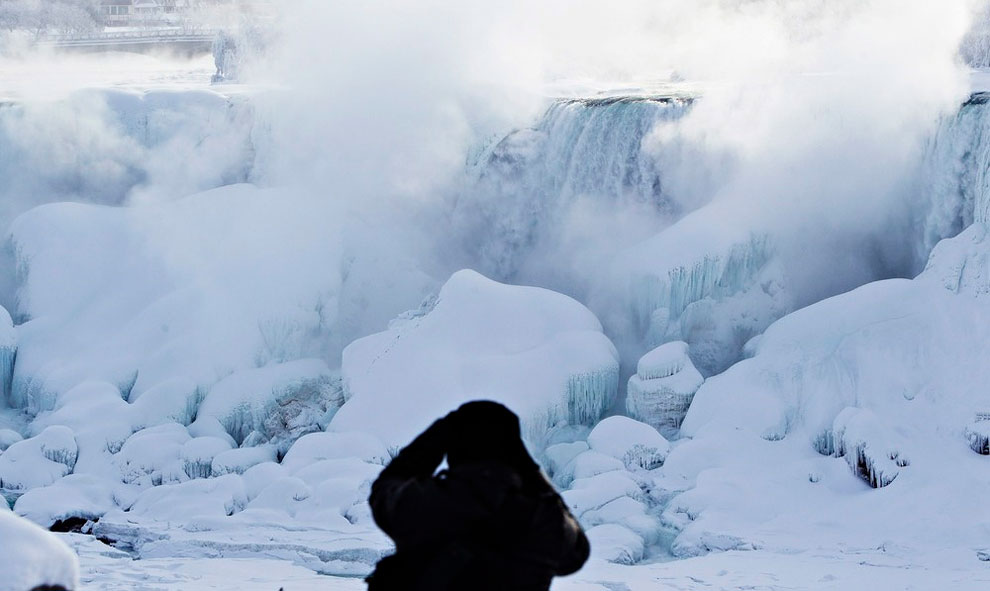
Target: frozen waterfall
x=522, y=187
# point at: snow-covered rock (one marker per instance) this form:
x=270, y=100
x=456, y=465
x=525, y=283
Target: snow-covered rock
x=31, y=557
x=9, y=437
x=540, y=353
x=75, y=496
x=616, y=543
x=152, y=456
x=192, y=502
x=559, y=455
x=312, y=448
x=587, y=464
x=636, y=444
x=663, y=387
x=197, y=455
x=279, y=402
x=978, y=434
x=40, y=460
x=868, y=446
x=242, y=459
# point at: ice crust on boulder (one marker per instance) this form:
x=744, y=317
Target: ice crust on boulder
x=8, y=437
x=192, y=502
x=197, y=455
x=31, y=557
x=539, y=352
x=559, y=455
x=75, y=496
x=280, y=402
x=40, y=460
x=242, y=459
x=663, y=387
x=312, y=448
x=636, y=444
x=616, y=543
x=978, y=434
x=152, y=456
x=866, y=443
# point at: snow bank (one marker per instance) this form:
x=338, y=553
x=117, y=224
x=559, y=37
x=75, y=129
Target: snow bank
x=31, y=557
x=663, y=387
x=540, y=353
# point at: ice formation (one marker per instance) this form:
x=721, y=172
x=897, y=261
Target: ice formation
x=527, y=182
x=32, y=558
x=539, y=352
x=636, y=444
x=38, y=461
x=886, y=376
x=978, y=434
x=76, y=496
x=661, y=390
x=275, y=404
x=859, y=436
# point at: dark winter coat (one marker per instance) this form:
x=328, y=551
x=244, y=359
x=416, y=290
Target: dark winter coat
x=484, y=524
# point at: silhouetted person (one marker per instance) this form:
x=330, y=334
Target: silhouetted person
x=489, y=522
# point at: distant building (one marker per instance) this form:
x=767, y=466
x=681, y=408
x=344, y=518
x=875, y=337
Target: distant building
x=117, y=13
x=123, y=13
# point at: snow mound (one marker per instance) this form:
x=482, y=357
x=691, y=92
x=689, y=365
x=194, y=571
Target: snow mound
x=31, y=557
x=151, y=456
x=193, y=503
x=40, y=460
x=559, y=455
x=866, y=443
x=197, y=455
x=637, y=444
x=663, y=387
x=8, y=437
x=240, y=460
x=315, y=447
x=540, y=353
x=77, y=495
x=277, y=404
x=615, y=543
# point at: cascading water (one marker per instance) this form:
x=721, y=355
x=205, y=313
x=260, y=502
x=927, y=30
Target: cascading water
x=956, y=170
x=523, y=186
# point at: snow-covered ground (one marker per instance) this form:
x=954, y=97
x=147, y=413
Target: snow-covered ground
x=105, y=569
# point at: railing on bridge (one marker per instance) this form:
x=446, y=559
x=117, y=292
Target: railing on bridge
x=142, y=36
